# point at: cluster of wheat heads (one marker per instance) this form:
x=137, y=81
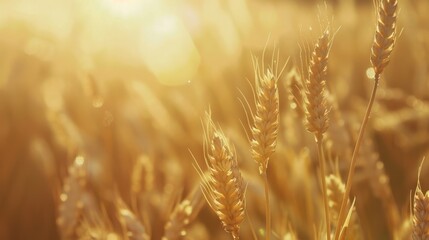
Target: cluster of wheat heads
x=264, y=120
x=223, y=186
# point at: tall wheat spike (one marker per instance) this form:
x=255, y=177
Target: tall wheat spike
x=316, y=103
x=384, y=41
x=266, y=119
x=223, y=187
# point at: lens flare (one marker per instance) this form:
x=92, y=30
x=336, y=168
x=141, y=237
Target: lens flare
x=168, y=50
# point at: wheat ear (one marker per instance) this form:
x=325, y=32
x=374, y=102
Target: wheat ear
x=420, y=212
x=266, y=119
x=335, y=190
x=385, y=36
x=421, y=215
x=383, y=44
x=316, y=107
x=316, y=104
x=223, y=187
x=183, y=214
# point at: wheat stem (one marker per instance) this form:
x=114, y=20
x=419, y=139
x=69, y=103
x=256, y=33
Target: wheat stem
x=324, y=192
x=267, y=207
x=343, y=209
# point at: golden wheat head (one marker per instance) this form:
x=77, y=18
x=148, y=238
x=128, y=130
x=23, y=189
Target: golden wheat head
x=316, y=103
x=223, y=186
x=385, y=35
x=266, y=119
x=421, y=215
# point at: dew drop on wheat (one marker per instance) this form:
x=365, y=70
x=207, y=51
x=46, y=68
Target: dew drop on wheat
x=370, y=73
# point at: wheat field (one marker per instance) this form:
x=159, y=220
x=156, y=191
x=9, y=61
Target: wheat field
x=214, y=119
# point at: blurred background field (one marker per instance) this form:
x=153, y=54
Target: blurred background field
x=120, y=85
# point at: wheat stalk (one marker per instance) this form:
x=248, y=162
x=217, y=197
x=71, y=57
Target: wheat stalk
x=223, y=187
x=264, y=131
x=316, y=106
x=383, y=44
x=265, y=122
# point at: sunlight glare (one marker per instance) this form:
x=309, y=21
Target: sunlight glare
x=168, y=50
x=125, y=8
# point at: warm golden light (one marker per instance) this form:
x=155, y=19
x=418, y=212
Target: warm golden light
x=168, y=50
x=125, y=8
x=190, y=119
x=156, y=35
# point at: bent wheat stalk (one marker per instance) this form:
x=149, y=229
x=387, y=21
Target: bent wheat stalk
x=384, y=41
